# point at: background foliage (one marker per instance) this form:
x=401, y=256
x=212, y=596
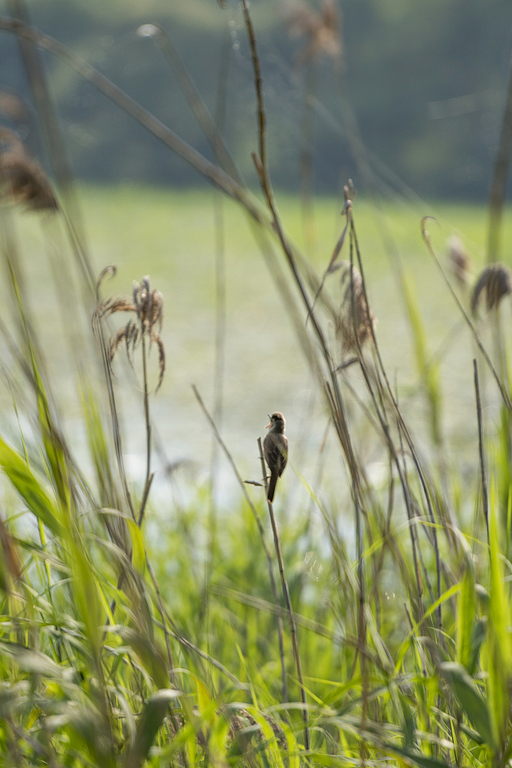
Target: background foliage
x=427, y=82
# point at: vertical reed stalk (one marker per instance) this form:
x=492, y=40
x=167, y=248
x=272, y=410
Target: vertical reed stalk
x=403, y=428
x=116, y=429
x=306, y=156
x=281, y=640
x=260, y=531
x=288, y=603
x=361, y=623
x=54, y=140
x=220, y=295
x=485, y=498
x=500, y=176
x=147, y=421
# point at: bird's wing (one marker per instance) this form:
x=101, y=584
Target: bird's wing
x=283, y=448
x=276, y=452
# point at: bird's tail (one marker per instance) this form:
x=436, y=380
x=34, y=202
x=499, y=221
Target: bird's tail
x=272, y=486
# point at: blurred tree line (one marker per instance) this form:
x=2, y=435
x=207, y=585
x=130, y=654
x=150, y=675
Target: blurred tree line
x=423, y=84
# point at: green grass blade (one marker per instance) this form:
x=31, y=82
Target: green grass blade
x=470, y=699
x=148, y=726
x=25, y=482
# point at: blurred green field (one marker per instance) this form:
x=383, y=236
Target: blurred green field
x=171, y=236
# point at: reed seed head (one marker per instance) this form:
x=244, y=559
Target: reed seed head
x=349, y=191
x=355, y=321
x=12, y=106
x=148, y=305
x=321, y=29
x=459, y=262
x=496, y=282
x=22, y=179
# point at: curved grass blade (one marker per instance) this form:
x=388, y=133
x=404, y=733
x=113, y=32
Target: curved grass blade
x=148, y=726
x=469, y=698
x=25, y=482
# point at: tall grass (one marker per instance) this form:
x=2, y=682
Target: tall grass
x=391, y=647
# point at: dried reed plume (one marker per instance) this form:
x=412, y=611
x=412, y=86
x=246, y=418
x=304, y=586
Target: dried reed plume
x=148, y=306
x=12, y=106
x=22, y=179
x=353, y=321
x=496, y=281
x=459, y=262
x=321, y=29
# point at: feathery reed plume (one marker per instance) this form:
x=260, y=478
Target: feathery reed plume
x=321, y=29
x=22, y=179
x=12, y=106
x=352, y=322
x=321, y=32
x=148, y=305
x=496, y=281
x=459, y=262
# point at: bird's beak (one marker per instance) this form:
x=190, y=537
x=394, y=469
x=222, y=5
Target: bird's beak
x=270, y=422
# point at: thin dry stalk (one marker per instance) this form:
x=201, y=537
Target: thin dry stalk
x=321, y=31
x=56, y=146
x=485, y=498
x=215, y=135
x=361, y=315
x=338, y=410
x=105, y=355
x=379, y=403
x=219, y=177
x=163, y=615
x=381, y=414
x=216, y=175
x=258, y=523
x=500, y=175
x=288, y=603
x=403, y=427
x=147, y=304
x=281, y=643
x=306, y=158
x=334, y=265
x=261, y=166
x=220, y=294
x=211, y=128
x=403, y=430
x=188, y=645
x=333, y=393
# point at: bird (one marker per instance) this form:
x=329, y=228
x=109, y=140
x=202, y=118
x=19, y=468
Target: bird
x=275, y=448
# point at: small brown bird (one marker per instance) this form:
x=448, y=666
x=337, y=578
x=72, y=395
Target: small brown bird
x=275, y=448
